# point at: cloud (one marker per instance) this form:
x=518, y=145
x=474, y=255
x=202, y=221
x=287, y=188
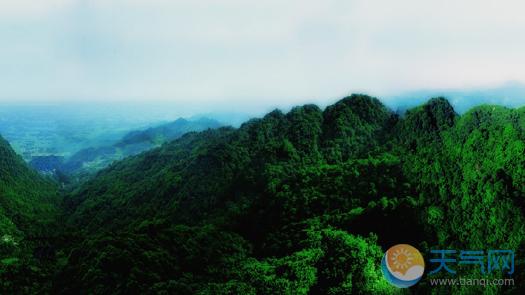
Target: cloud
x=239, y=51
x=20, y=10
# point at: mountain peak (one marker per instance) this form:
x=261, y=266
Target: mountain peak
x=367, y=108
x=441, y=112
x=427, y=121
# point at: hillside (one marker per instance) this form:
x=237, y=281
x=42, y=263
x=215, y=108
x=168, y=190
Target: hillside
x=167, y=132
x=29, y=208
x=509, y=94
x=26, y=197
x=302, y=202
x=92, y=159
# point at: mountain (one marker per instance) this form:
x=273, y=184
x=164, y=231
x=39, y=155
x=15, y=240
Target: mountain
x=167, y=132
x=92, y=159
x=509, y=94
x=47, y=164
x=25, y=196
x=302, y=202
x=29, y=208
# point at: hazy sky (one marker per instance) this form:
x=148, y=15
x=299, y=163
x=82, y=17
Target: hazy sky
x=253, y=52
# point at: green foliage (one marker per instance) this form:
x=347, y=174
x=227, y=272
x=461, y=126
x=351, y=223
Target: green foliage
x=29, y=208
x=298, y=203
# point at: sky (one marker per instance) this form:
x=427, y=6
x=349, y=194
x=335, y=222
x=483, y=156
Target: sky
x=248, y=54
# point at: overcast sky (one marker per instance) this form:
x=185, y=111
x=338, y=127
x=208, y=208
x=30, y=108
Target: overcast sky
x=253, y=52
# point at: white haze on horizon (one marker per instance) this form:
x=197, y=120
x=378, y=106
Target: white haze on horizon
x=251, y=56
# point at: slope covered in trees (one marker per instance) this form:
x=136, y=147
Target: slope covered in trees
x=29, y=208
x=89, y=160
x=304, y=202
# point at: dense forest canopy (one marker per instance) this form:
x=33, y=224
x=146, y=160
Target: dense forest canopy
x=29, y=212
x=304, y=202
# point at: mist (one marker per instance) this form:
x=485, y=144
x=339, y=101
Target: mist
x=251, y=56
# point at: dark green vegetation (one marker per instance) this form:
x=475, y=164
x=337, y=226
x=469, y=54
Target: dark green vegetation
x=29, y=209
x=297, y=203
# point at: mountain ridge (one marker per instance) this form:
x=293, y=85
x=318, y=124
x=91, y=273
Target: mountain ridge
x=91, y=159
x=337, y=173
x=303, y=202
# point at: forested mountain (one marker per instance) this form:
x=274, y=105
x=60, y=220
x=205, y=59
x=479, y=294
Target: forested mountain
x=29, y=209
x=92, y=159
x=510, y=94
x=166, y=132
x=304, y=202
